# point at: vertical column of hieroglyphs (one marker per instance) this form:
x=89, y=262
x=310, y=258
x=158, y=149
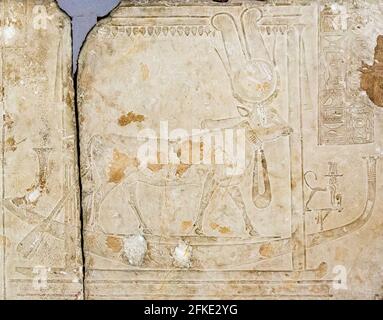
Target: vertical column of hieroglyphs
x=346, y=117
x=40, y=239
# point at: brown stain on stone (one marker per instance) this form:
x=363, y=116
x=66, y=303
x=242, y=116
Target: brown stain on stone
x=214, y=226
x=220, y=229
x=266, y=250
x=118, y=166
x=371, y=79
x=224, y=230
x=182, y=169
x=293, y=184
x=114, y=244
x=10, y=144
x=4, y=242
x=69, y=100
x=322, y=270
x=129, y=118
x=156, y=167
x=186, y=225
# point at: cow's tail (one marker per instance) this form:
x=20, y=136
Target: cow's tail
x=305, y=177
x=88, y=168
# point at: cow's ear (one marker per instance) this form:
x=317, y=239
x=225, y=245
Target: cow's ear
x=244, y=112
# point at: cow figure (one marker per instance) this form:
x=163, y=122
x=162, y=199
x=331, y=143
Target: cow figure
x=126, y=168
x=254, y=80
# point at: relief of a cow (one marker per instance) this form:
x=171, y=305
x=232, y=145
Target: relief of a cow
x=254, y=83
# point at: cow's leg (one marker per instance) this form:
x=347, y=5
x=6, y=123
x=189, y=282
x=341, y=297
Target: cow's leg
x=93, y=215
x=237, y=197
x=97, y=199
x=208, y=191
x=132, y=188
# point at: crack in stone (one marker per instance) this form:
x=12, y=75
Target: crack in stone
x=84, y=17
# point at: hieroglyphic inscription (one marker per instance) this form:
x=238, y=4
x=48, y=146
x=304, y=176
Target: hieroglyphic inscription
x=346, y=115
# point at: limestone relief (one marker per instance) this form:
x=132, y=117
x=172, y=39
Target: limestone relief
x=204, y=150
x=231, y=150
x=40, y=219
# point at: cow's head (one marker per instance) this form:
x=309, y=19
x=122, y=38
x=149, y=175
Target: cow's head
x=266, y=123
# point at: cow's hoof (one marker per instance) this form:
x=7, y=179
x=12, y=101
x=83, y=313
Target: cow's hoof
x=198, y=231
x=95, y=228
x=252, y=232
x=146, y=230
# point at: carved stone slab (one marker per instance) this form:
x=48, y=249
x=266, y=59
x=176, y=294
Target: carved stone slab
x=40, y=256
x=231, y=150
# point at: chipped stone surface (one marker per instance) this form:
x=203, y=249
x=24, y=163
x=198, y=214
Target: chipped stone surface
x=40, y=256
x=298, y=216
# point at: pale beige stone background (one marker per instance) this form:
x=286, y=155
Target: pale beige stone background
x=189, y=63
x=164, y=61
